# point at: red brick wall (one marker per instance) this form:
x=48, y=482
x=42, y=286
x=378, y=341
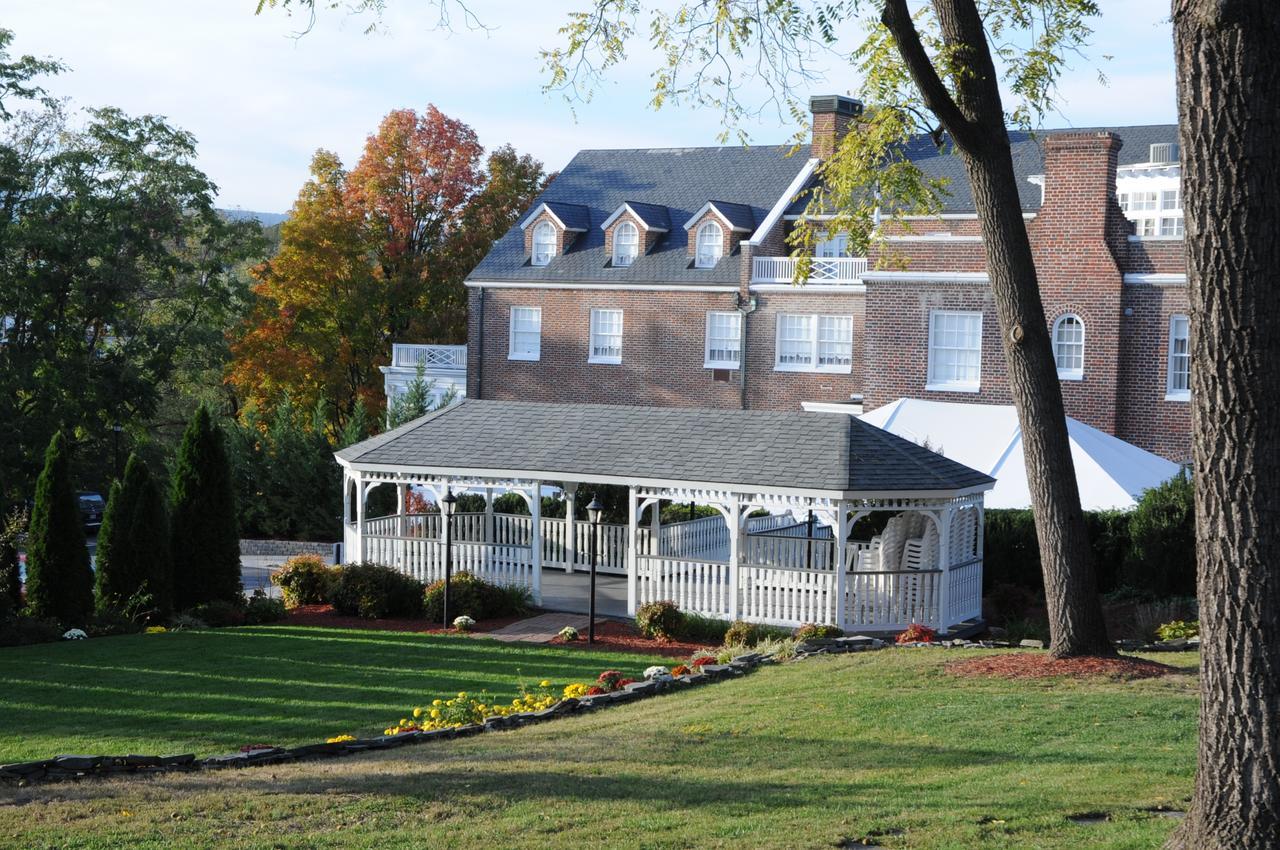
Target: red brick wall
x=1146, y=418
x=1159, y=256
x=663, y=348
x=772, y=390
x=648, y=238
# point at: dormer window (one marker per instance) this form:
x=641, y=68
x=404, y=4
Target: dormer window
x=544, y=243
x=710, y=245
x=626, y=244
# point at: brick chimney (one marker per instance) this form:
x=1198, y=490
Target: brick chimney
x=1080, y=182
x=833, y=115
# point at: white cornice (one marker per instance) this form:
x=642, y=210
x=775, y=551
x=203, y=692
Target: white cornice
x=782, y=203
x=810, y=288
x=1152, y=279
x=979, y=278
x=601, y=284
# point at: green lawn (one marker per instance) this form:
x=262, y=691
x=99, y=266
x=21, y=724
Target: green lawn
x=813, y=754
x=213, y=691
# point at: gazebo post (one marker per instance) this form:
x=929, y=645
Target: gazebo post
x=841, y=552
x=489, y=536
x=735, y=536
x=535, y=541
x=945, y=517
x=655, y=529
x=360, y=553
x=633, y=564
x=570, y=524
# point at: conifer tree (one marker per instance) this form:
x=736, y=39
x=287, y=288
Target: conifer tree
x=10, y=581
x=205, y=540
x=133, y=543
x=59, y=580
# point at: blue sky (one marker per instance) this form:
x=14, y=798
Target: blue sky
x=260, y=102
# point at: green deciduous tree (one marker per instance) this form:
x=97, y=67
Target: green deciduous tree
x=133, y=552
x=115, y=272
x=205, y=542
x=59, y=580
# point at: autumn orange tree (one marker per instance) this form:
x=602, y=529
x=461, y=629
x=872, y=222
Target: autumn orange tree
x=373, y=256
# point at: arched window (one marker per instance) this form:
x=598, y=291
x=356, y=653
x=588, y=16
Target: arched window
x=710, y=245
x=626, y=244
x=544, y=243
x=1068, y=346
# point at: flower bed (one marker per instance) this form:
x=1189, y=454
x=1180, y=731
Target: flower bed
x=624, y=637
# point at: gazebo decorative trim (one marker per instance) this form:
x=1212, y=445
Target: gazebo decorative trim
x=830, y=469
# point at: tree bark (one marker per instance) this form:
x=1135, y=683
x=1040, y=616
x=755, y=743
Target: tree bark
x=975, y=120
x=1229, y=106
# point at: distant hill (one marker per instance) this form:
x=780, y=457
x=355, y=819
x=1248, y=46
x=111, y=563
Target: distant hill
x=267, y=219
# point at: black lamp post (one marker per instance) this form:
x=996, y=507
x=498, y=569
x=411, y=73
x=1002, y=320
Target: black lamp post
x=446, y=528
x=594, y=512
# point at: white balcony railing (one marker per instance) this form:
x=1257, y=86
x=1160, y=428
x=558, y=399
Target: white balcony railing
x=432, y=357
x=836, y=270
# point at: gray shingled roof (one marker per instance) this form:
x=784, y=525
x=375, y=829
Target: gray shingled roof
x=754, y=448
x=1028, y=160
x=680, y=179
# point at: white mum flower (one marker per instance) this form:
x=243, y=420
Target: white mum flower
x=74, y=634
x=658, y=672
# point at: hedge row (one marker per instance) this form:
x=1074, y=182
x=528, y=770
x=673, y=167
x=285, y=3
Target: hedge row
x=1150, y=549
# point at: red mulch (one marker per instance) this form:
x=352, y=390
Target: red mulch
x=324, y=615
x=623, y=637
x=1039, y=665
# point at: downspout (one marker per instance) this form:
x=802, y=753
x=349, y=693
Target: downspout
x=746, y=306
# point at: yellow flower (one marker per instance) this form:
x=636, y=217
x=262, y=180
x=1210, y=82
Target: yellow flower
x=462, y=694
x=545, y=683
x=435, y=714
x=341, y=739
x=417, y=712
x=577, y=689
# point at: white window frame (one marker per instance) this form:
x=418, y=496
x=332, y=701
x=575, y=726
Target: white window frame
x=709, y=259
x=734, y=336
x=597, y=314
x=623, y=260
x=950, y=385
x=832, y=246
x=542, y=259
x=1068, y=374
x=525, y=352
x=1173, y=393
x=815, y=324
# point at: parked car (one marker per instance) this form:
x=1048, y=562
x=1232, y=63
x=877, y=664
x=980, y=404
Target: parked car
x=92, y=506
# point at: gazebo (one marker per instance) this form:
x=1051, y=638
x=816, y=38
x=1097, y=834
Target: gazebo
x=788, y=489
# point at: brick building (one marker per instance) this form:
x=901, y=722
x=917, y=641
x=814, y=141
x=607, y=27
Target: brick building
x=662, y=277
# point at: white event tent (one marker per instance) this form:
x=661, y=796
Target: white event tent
x=987, y=437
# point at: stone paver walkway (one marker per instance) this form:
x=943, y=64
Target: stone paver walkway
x=542, y=628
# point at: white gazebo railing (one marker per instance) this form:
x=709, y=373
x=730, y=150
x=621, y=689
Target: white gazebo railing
x=822, y=269
x=925, y=566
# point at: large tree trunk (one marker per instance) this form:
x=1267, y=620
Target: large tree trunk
x=1229, y=102
x=975, y=121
